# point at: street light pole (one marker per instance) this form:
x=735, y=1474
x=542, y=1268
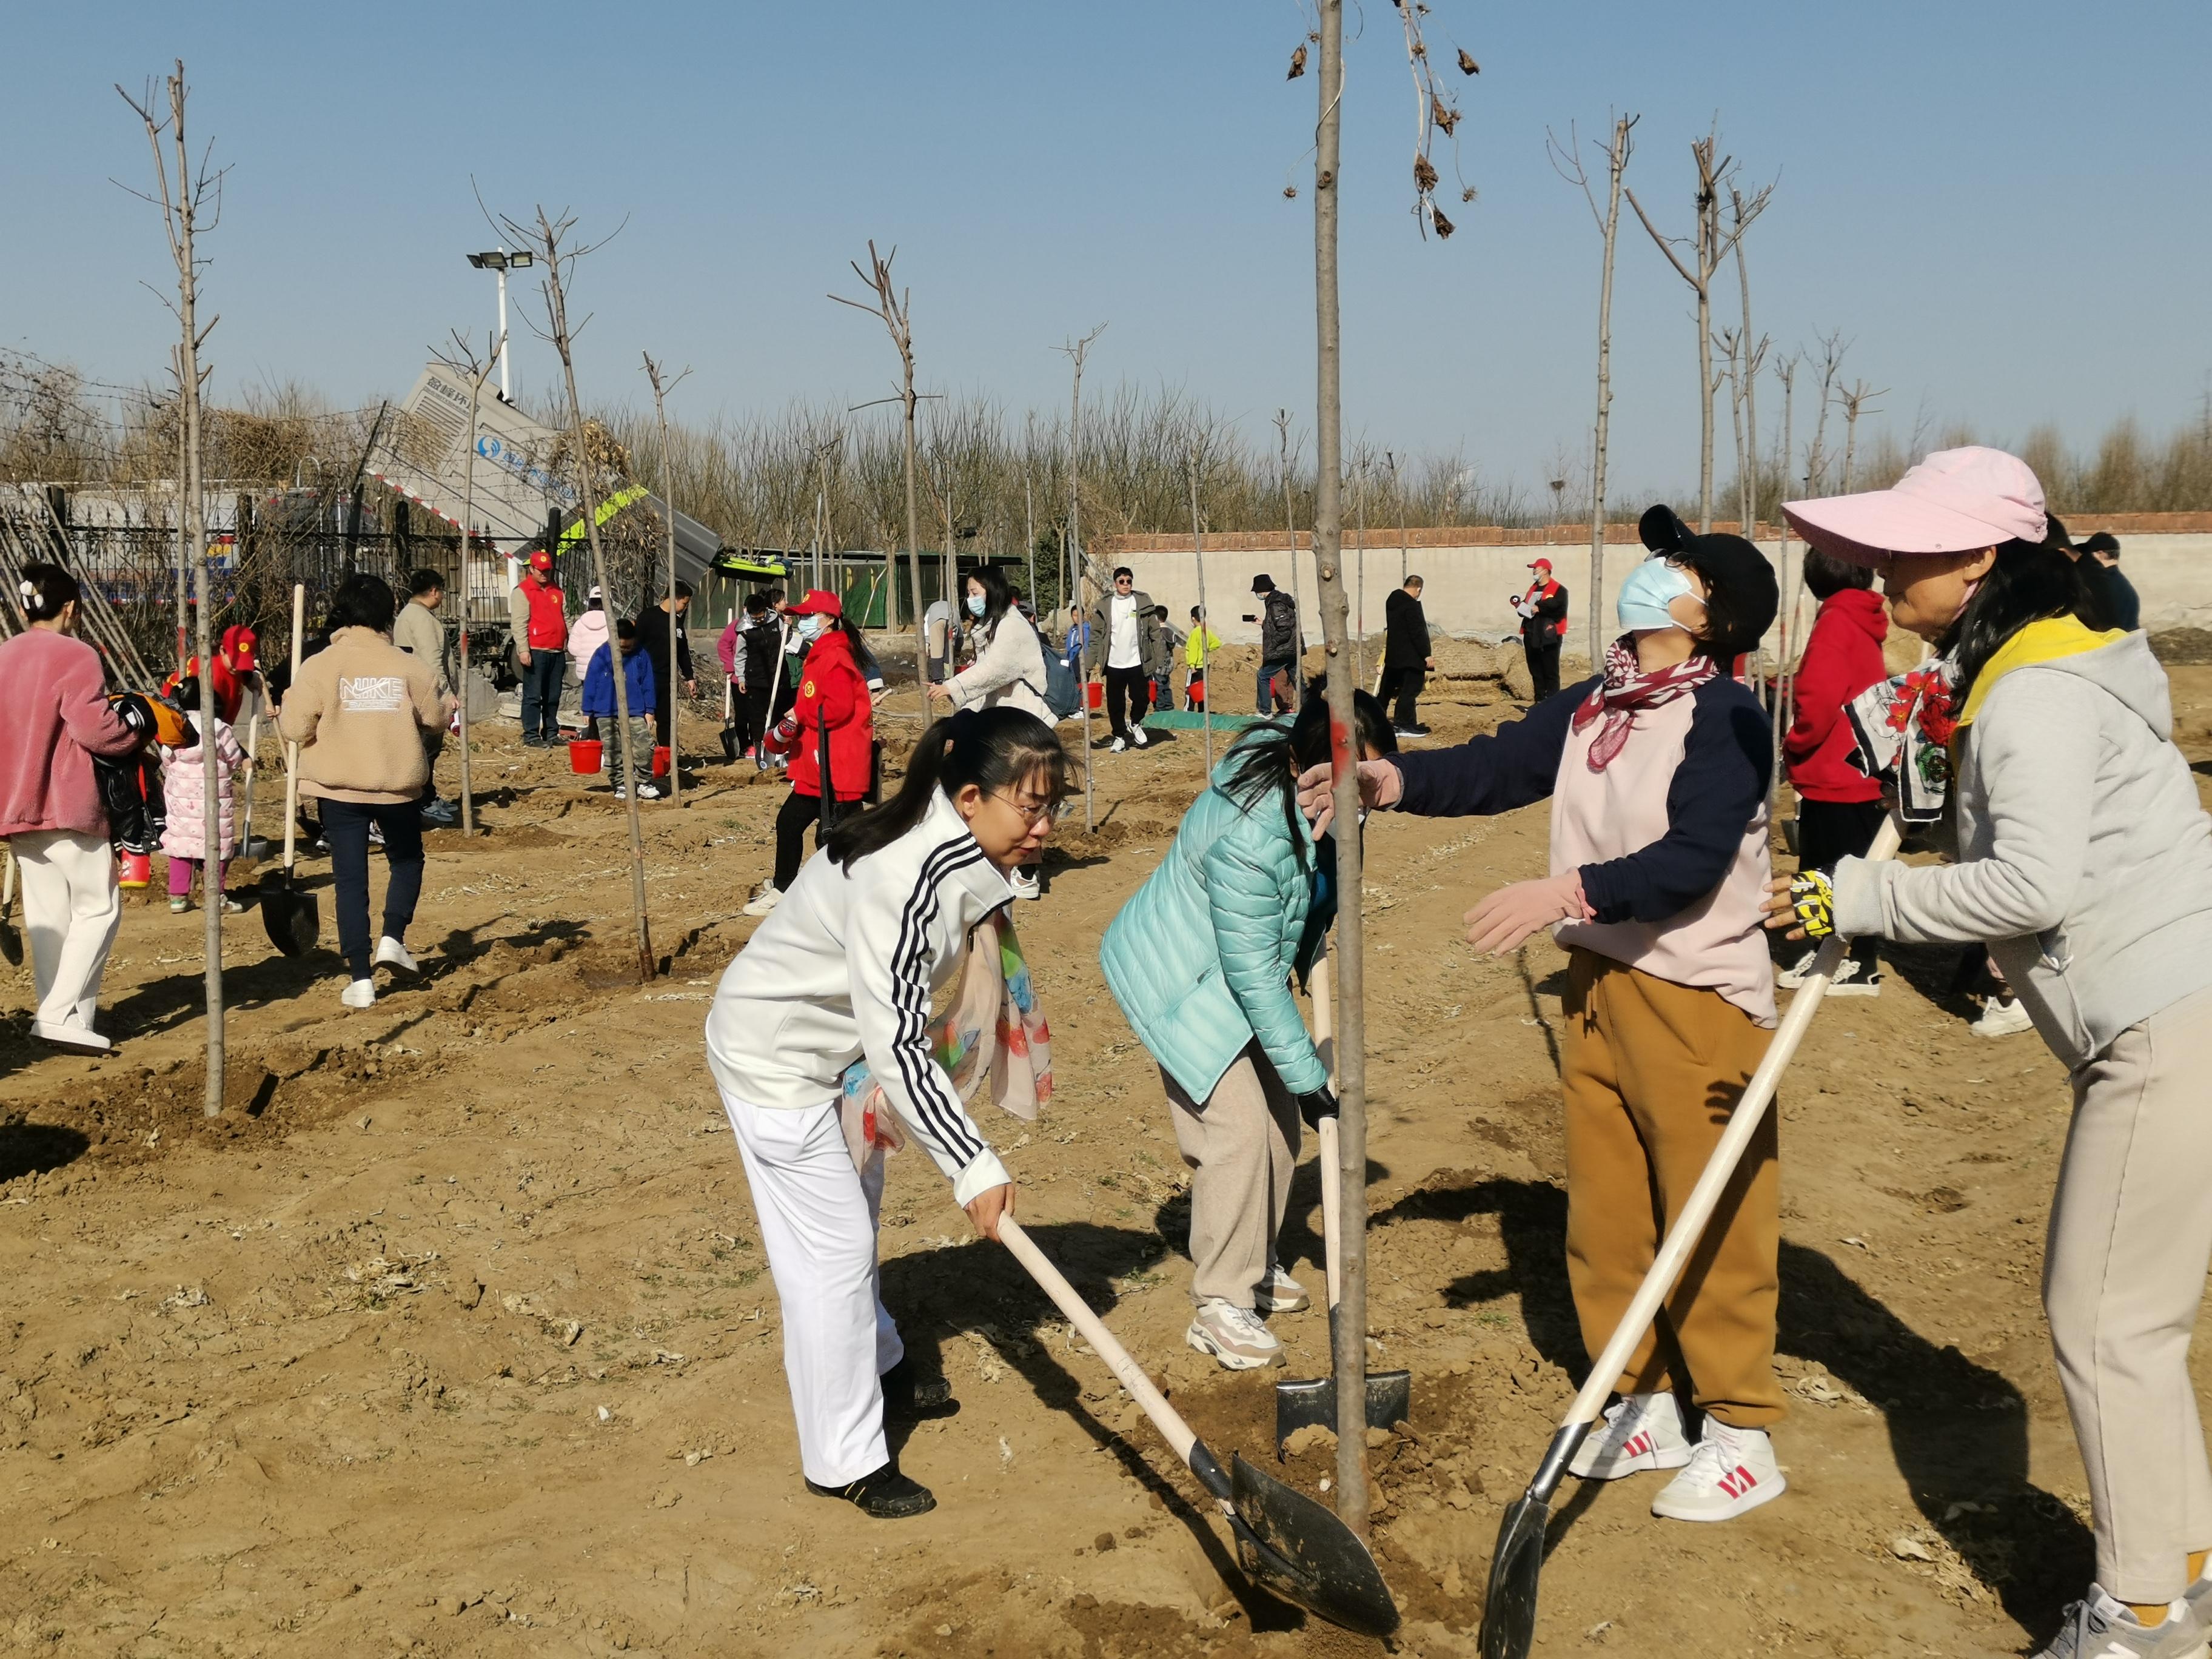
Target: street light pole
x=499, y=261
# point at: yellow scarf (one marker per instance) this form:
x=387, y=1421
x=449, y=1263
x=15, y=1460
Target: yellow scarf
x=2047, y=641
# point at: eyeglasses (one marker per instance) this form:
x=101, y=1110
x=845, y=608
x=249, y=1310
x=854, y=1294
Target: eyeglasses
x=1031, y=811
x=1125, y=581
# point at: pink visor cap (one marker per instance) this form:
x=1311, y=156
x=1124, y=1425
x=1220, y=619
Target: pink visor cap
x=1956, y=501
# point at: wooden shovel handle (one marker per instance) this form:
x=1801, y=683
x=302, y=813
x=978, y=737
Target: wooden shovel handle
x=292, y=750
x=1332, y=1174
x=1743, y=1123
x=1178, y=1433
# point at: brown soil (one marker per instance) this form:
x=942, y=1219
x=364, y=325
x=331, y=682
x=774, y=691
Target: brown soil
x=453, y=1333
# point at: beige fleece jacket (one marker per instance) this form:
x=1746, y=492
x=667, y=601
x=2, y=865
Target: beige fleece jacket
x=417, y=631
x=358, y=708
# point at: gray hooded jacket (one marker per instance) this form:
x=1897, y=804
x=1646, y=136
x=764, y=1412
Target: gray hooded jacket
x=2085, y=860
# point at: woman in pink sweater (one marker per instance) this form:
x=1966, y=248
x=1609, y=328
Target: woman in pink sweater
x=54, y=688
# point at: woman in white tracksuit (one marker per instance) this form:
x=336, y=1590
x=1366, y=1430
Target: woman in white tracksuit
x=842, y=970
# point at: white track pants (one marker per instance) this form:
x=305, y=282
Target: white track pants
x=71, y=910
x=817, y=1220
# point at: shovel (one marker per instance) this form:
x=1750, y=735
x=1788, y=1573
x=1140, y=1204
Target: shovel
x=11, y=942
x=1285, y=1542
x=1389, y=1393
x=248, y=845
x=288, y=914
x=1508, y=1605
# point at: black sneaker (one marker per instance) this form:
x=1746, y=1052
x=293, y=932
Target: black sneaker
x=884, y=1493
x=1416, y=731
x=908, y=1397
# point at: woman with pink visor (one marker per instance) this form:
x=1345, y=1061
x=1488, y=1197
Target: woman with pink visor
x=2084, y=862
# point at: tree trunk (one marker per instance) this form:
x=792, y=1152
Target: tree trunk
x=1349, y=1331
x=1752, y=355
x=669, y=738
x=1785, y=683
x=914, y=545
x=1706, y=389
x=1618, y=165
x=468, y=512
x=1198, y=563
x=1080, y=569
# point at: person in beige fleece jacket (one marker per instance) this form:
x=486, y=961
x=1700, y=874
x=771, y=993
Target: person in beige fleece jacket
x=358, y=709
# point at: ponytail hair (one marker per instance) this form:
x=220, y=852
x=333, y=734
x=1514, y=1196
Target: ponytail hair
x=1269, y=760
x=46, y=590
x=2031, y=581
x=993, y=749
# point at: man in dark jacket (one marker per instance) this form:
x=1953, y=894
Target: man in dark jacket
x=1281, y=644
x=2101, y=564
x=1543, y=613
x=665, y=639
x=1407, y=662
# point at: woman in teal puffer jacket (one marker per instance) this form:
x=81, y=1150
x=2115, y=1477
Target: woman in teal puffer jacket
x=1200, y=959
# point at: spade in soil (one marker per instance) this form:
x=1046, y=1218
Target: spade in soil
x=288, y=914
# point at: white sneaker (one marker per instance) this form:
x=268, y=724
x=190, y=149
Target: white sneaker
x=1137, y=737
x=361, y=993
x=1279, y=1293
x=1234, y=1336
x=1731, y=1473
x=1793, y=977
x=2002, y=1017
x=1852, y=980
x=68, y=1034
x=391, y=953
x=1117, y=746
x=1025, y=886
x=650, y=791
x=763, y=899
x=1640, y=1431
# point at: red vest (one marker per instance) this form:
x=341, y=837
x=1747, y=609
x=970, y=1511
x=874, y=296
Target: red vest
x=832, y=692
x=1544, y=590
x=549, y=617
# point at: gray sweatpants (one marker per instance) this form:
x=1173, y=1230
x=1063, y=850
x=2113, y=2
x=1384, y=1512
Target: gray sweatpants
x=2123, y=1273
x=1241, y=1143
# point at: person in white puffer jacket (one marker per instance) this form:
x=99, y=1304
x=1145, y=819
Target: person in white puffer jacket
x=1008, y=673
x=843, y=970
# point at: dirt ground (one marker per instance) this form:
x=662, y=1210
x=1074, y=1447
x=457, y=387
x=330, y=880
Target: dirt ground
x=454, y=1334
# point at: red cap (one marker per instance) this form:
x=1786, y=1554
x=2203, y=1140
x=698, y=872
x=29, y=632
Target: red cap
x=1541, y=564
x=541, y=559
x=816, y=603
x=238, y=643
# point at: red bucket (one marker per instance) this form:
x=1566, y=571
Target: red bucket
x=1095, y=691
x=585, y=756
x=660, y=762
x=136, y=869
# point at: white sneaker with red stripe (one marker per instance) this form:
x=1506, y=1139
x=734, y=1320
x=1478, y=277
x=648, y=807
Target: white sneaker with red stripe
x=1731, y=1473
x=1640, y=1431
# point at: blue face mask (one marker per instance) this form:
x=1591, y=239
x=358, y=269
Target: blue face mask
x=812, y=627
x=1644, y=596
x=975, y=604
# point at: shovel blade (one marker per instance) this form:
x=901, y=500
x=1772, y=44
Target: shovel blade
x=1509, y=1603
x=1302, y=1551
x=289, y=915
x=1311, y=1403
x=11, y=944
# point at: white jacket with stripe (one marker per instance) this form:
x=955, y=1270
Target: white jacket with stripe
x=845, y=966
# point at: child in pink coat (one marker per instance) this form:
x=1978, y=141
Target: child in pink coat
x=184, y=782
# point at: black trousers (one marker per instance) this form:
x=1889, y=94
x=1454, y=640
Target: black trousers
x=345, y=826
x=792, y=819
x=1128, y=697
x=1831, y=830
x=1406, y=685
x=1543, y=664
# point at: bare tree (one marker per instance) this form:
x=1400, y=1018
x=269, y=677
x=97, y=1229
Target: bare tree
x=1854, y=401
x=894, y=308
x=550, y=237
x=462, y=359
x=194, y=190
x=1754, y=351
x=1833, y=345
x=1567, y=159
x=1077, y=351
x=1290, y=519
x=1786, y=372
x=1198, y=565
x=660, y=390
x=1707, y=245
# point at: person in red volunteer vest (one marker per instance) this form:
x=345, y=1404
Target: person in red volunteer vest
x=537, y=611
x=1543, y=613
x=833, y=712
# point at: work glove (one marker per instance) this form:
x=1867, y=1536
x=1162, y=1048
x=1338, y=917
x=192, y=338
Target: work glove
x=1316, y=1104
x=1512, y=914
x=1812, y=897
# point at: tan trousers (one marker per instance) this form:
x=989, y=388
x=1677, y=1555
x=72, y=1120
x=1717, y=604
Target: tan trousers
x=1241, y=1143
x=2123, y=1275
x=1651, y=1071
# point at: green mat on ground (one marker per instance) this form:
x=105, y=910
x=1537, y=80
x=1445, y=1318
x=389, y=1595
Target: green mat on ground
x=1182, y=720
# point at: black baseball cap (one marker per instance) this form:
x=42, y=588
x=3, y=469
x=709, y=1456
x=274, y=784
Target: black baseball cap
x=1745, y=596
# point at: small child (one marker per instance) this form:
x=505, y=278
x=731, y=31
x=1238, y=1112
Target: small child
x=1198, y=649
x=184, y=786
x=600, y=703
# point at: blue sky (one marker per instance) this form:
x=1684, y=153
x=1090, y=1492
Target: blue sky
x=2002, y=204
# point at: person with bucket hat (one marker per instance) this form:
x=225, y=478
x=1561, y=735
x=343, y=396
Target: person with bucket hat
x=1543, y=612
x=536, y=611
x=1657, y=774
x=2084, y=863
x=832, y=721
x=1281, y=644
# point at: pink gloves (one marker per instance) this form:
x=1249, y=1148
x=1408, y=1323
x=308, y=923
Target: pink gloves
x=1512, y=914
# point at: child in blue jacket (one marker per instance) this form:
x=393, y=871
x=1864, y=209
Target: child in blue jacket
x=639, y=686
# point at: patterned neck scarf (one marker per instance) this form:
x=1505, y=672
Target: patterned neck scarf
x=1627, y=689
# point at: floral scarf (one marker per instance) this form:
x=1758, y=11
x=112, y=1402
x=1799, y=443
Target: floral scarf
x=1902, y=728
x=995, y=1031
x=1627, y=689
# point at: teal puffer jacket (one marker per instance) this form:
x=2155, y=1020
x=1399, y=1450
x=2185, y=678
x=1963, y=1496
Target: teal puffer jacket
x=1201, y=957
